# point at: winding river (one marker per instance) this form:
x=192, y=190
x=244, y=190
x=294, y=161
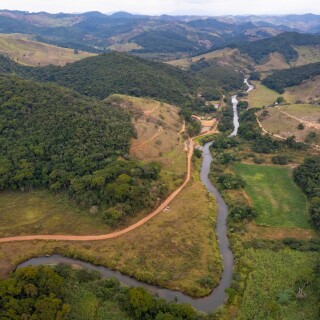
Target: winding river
x=206, y=304
x=235, y=102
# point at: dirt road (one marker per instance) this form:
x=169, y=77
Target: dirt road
x=114, y=234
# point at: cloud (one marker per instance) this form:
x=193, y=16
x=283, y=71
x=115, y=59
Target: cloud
x=203, y=7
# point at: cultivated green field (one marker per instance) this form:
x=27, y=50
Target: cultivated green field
x=278, y=200
x=273, y=282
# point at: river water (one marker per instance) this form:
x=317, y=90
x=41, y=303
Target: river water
x=235, y=102
x=206, y=304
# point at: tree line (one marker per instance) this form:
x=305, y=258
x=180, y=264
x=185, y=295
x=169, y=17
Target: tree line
x=281, y=79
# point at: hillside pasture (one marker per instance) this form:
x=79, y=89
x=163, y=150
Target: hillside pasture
x=23, y=49
x=307, y=54
x=261, y=96
x=158, y=137
x=284, y=121
x=308, y=91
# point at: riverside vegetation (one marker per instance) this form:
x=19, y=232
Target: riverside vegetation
x=71, y=153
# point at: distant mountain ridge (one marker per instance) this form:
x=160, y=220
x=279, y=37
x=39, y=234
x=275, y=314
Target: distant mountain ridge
x=162, y=37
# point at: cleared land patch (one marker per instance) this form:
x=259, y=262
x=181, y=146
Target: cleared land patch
x=308, y=91
x=261, y=96
x=307, y=54
x=275, y=61
x=22, y=49
x=276, y=197
x=158, y=127
x=284, y=121
x=40, y=211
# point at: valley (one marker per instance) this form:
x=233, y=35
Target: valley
x=159, y=167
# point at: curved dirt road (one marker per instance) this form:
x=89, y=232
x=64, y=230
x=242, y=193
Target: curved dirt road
x=114, y=234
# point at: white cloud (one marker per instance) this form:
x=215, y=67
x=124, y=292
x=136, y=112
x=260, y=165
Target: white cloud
x=204, y=7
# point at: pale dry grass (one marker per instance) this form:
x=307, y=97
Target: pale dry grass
x=22, y=49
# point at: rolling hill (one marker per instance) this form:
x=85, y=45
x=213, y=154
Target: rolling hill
x=23, y=49
x=112, y=73
x=281, y=79
x=97, y=32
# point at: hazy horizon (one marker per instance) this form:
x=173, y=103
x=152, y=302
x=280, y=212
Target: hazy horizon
x=170, y=7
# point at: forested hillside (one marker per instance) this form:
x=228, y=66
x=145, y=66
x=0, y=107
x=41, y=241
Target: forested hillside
x=283, y=43
x=164, y=41
x=215, y=79
x=55, y=138
x=281, y=79
x=112, y=73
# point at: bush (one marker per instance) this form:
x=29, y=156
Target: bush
x=230, y=181
x=240, y=213
x=257, y=160
x=314, y=211
x=282, y=160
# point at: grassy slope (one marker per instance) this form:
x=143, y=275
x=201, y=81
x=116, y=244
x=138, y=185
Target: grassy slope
x=307, y=54
x=261, y=96
x=281, y=124
x=158, y=137
x=308, y=90
x=274, y=61
x=22, y=49
x=272, y=274
x=278, y=200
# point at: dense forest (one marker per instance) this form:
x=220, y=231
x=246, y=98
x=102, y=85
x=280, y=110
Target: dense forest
x=307, y=176
x=283, y=43
x=112, y=73
x=164, y=41
x=281, y=79
x=55, y=138
x=46, y=293
x=215, y=80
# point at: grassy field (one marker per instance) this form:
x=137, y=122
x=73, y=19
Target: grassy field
x=176, y=249
x=307, y=54
x=157, y=126
x=307, y=91
x=22, y=49
x=282, y=124
x=275, y=61
x=305, y=112
x=185, y=63
x=271, y=285
x=44, y=212
x=261, y=96
x=227, y=56
x=278, y=200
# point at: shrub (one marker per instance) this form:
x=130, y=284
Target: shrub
x=240, y=213
x=230, y=181
x=281, y=159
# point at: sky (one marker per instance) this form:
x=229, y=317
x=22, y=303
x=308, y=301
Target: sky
x=173, y=7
